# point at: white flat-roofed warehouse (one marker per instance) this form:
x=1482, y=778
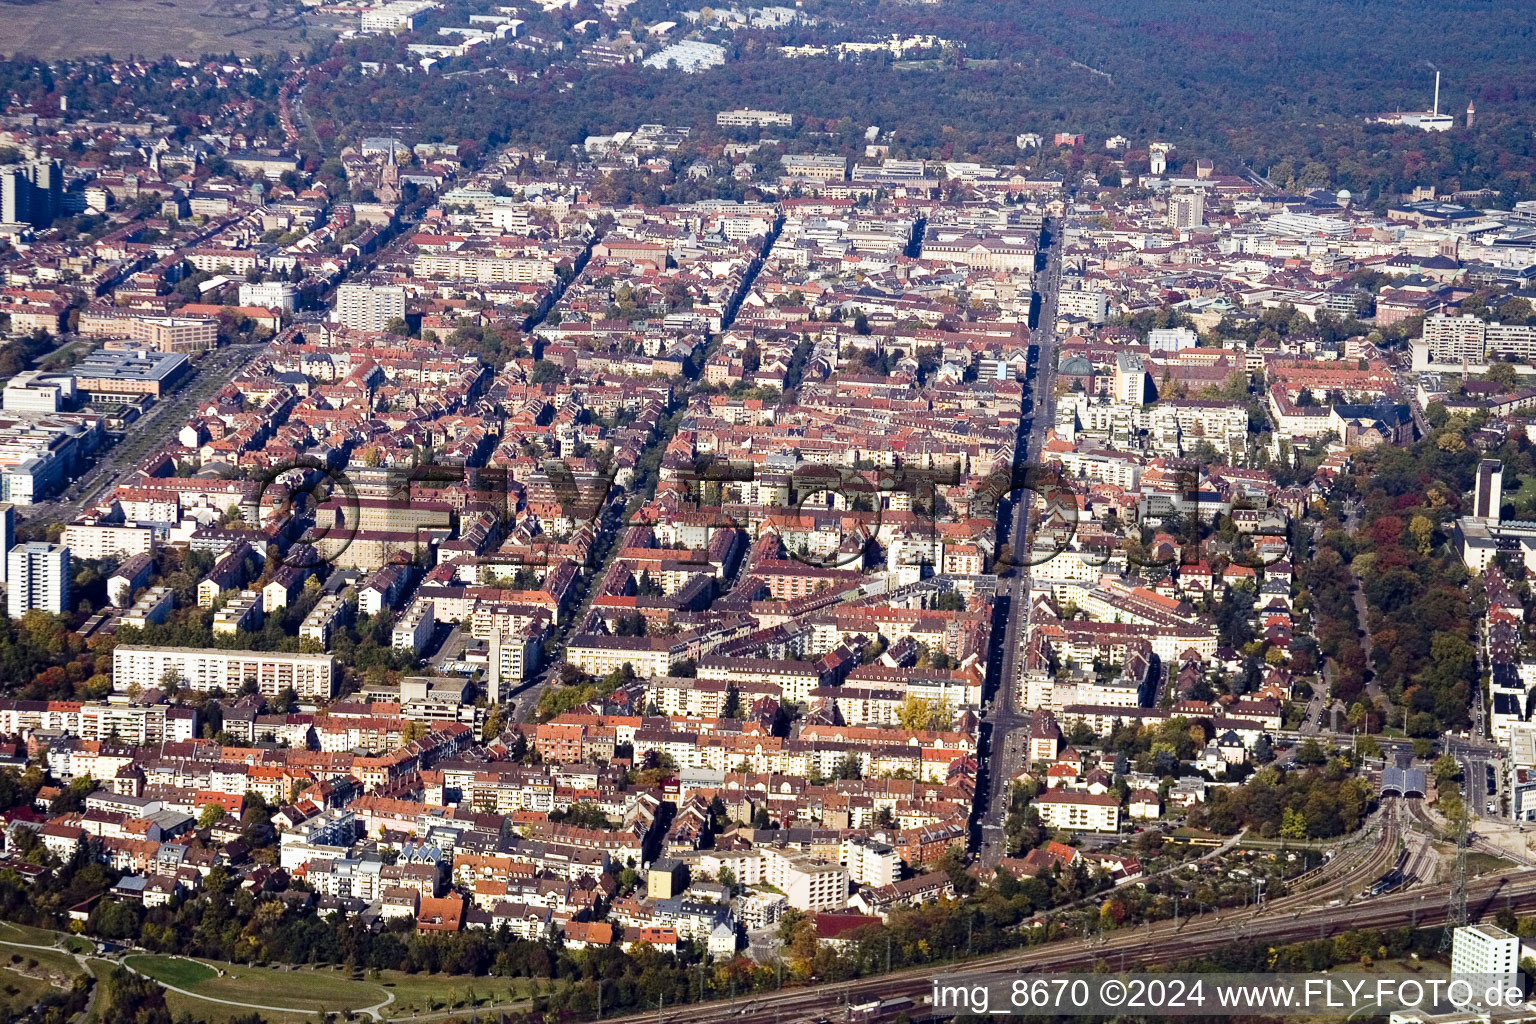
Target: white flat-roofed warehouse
x=109, y=375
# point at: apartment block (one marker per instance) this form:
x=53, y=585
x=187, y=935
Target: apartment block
x=415, y=626
x=91, y=538
x=241, y=613
x=870, y=862
x=329, y=613
x=37, y=576
x=807, y=881
x=137, y=723
x=309, y=675
x=367, y=307
x=152, y=608
x=1079, y=812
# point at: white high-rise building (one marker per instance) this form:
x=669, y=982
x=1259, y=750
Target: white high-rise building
x=1130, y=379
x=1490, y=490
x=7, y=538
x=1454, y=339
x=1485, y=955
x=37, y=576
x=366, y=307
x=1186, y=211
x=513, y=654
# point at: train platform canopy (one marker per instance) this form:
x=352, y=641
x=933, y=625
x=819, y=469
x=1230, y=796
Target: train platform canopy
x=1402, y=782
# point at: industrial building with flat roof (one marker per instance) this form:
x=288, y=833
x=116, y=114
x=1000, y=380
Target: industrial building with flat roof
x=108, y=375
x=38, y=450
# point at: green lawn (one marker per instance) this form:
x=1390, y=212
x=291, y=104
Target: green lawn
x=18, y=992
x=101, y=970
x=301, y=989
x=1392, y=965
x=173, y=970
x=324, y=989
x=61, y=962
x=1480, y=863
x=67, y=355
x=204, y=1012
x=26, y=933
x=27, y=975
x=417, y=993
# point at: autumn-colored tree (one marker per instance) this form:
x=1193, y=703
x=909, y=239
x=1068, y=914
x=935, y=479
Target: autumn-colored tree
x=921, y=713
x=1423, y=530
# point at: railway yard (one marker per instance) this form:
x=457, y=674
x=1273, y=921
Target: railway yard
x=1392, y=873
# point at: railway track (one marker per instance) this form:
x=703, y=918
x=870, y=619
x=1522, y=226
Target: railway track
x=1350, y=870
x=1153, y=945
x=1418, y=813
x=1290, y=918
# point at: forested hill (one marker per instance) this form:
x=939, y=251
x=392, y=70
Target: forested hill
x=1281, y=87
x=1263, y=83
x=1175, y=62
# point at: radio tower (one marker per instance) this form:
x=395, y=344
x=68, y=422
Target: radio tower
x=1458, y=908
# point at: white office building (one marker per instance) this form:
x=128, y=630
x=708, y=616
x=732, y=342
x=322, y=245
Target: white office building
x=37, y=576
x=367, y=307
x=1171, y=339
x=1485, y=955
x=38, y=391
x=270, y=295
x=753, y=119
x=392, y=17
